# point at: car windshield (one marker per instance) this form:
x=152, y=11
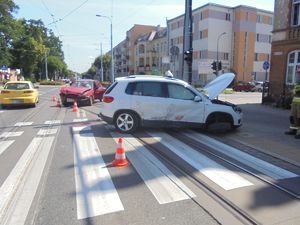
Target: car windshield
x=85, y=84
x=17, y=86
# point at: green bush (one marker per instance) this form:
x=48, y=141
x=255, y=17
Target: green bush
x=49, y=82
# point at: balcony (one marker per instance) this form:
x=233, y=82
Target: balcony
x=294, y=33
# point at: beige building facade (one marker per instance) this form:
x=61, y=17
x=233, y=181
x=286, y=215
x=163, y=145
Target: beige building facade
x=239, y=37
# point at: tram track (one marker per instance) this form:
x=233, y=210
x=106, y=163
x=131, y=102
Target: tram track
x=242, y=215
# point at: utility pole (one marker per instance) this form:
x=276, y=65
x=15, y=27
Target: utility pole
x=188, y=42
x=111, y=47
x=101, y=62
x=46, y=65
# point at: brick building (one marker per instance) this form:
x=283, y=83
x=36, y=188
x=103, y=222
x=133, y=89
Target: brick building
x=285, y=63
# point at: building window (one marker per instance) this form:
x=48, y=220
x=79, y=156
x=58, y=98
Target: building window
x=258, y=18
x=227, y=16
x=257, y=37
x=293, y=65
x=256, y=57
x=296, y=13
x=226, y=56
x=201, y=16
x=141, y=49
x=270, y=21
x=201, y=34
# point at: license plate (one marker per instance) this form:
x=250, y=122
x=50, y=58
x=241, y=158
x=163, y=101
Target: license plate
x=70, y=100
x=17, y=101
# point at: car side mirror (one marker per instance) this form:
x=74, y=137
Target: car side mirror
x=197, y=99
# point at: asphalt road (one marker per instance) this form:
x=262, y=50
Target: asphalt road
x=55, y=169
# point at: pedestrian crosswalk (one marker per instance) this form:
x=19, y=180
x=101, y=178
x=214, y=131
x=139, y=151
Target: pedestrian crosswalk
x=96, y=192
x=34, y=156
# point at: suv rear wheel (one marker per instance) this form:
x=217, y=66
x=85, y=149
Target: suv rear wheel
x=126, y=122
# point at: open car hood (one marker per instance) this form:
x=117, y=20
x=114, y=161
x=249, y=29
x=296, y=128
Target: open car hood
x=218, y=85
x=74, y=90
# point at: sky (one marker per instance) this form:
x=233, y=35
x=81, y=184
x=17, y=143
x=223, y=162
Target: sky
x=81, y=32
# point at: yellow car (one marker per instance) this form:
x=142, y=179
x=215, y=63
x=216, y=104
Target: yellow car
x=19, y=93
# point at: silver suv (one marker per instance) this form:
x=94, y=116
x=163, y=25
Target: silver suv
x=157, y=101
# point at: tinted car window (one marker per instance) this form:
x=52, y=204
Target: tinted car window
x=179, y=92
x=17, y=86
x=154, y=89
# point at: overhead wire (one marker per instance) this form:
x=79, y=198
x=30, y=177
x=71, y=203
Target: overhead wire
x=71, y=12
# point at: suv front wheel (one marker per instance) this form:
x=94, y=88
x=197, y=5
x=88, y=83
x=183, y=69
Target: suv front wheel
x=126, y=122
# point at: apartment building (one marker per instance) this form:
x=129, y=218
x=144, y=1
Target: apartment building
x=130, y=41
x=285, y=62
x=150, y=49
x=121, y=57
x=239, y=37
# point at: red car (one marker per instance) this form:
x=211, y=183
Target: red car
x=82, y=91
x=243, y=86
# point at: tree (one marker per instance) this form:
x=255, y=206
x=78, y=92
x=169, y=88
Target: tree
x=7, y=7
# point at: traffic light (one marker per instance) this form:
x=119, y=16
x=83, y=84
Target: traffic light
x=219, y=65
x=214, y=66
x=188, y=55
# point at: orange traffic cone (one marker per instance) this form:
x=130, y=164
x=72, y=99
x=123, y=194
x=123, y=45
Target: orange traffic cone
x=54, y=99
x=75, y=107
x=120, y=158
x=58, y=103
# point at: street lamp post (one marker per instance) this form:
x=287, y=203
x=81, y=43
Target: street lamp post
x=111, y=47
x=217, y=69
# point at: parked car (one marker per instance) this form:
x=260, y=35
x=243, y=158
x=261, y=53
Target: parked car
x=82, y=91
x=19, y=93
x=141, y=100
x=259, y=86
x=243, y=86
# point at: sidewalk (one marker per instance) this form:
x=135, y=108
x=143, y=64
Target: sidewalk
x=263, y=127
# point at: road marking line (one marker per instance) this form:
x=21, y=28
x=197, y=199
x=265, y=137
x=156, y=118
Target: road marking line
x=222, y=176
x=4, y=145
x=12, y=183
x=83, y=113
x=264, y=167
x=11, y=134
x=78, y=113
x=22, y=124
x=80, y=120
x=24, y=195
x=50, y=122
x=163, y=184
x=95, y=191
x=45, y=132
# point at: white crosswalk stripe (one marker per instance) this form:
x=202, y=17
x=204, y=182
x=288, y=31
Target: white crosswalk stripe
x=1, y=111
x=51, y=122
x=34, y=160
x=11, y=134
x=220, y=175
x=95, y=191
x=264, y=167
x=163, y=184
x=4, y=145
x=44, y=132
x=23, y=124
